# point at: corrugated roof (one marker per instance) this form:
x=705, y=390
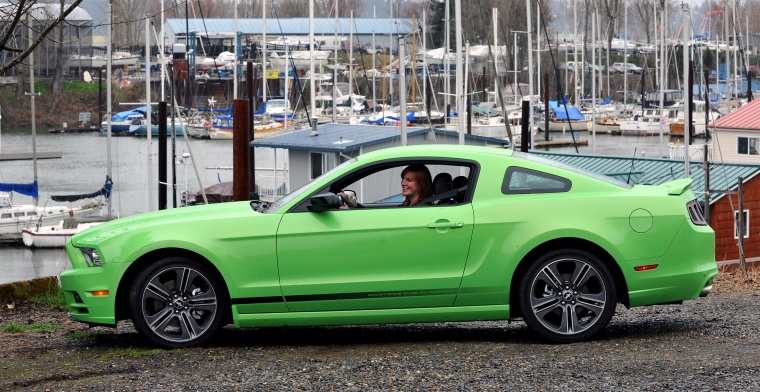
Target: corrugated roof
x=349, y=137
x=723, y=176
x=746, y=117
x=293, y=26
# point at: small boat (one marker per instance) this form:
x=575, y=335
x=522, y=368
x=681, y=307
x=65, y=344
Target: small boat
x=566, y=118
x=223, y=129
x=54, y=236
x=14, y=218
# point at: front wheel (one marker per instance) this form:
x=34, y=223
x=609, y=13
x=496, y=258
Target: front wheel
x=177, y=302
x=567, y=296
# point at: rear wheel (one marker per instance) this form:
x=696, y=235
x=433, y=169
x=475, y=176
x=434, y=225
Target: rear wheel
x=177, y=302
x=567, y=296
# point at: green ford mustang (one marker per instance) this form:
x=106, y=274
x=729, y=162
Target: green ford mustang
x=504, y=235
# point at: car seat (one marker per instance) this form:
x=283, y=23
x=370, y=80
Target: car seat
x=459, y=183
x=443, y=183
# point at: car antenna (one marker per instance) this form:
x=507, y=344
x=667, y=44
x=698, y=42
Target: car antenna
x=633, y=161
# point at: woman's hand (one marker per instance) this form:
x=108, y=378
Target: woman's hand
x=348, y=202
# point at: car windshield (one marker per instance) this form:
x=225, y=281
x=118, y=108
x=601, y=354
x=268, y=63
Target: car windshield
x=292, y=195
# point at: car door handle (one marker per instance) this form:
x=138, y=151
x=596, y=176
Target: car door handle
x=447, y=224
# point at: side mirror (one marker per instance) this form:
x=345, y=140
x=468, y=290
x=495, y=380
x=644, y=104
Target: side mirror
x=324, y=202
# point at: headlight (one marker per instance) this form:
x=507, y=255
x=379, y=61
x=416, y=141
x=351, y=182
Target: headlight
x=92, y=257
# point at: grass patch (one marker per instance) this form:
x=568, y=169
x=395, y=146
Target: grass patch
x=11, y=328
x=79, y=335
x=52, y=298
x=80, y=87
x=19, y=328
x=131, y=352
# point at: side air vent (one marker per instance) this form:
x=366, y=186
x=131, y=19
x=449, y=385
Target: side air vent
x=695, y=213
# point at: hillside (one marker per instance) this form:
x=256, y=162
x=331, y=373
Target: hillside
x=77, y=97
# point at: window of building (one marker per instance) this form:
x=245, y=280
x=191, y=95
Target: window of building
x=748, y=145
x=321, y=163
x=746, y=224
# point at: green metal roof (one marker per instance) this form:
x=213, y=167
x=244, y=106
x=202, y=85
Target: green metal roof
x=638, y=170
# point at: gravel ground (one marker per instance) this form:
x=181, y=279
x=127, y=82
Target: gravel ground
x=708, y=344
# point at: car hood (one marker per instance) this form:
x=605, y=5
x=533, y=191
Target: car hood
x=176, y=217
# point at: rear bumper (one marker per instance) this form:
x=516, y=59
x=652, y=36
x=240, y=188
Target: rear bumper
x=685, y=271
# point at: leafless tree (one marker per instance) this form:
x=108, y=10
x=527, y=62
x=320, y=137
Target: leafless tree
x=326, y=8
x=644, y=10
x=13, y=15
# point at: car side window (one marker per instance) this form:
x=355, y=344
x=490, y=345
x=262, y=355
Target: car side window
x=383, y=188
x=519, y=181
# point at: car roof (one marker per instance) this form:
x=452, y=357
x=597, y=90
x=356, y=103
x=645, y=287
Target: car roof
x=435, y=150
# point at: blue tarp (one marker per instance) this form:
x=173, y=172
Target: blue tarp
x=24, y=189
x=227, y=110
x=262, y=109
x=121, y=116
x=573, y=113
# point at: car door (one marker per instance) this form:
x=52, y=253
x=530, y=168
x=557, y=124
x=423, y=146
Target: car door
x=373, y=258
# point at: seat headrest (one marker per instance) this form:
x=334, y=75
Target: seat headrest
x=442, y=183
x=460, y=181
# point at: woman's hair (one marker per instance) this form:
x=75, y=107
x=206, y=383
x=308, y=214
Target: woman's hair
x=421, y=176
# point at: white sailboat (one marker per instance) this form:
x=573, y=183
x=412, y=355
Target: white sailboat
x=55, y=236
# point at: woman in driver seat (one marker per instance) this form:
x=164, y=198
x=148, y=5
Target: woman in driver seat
x=416, y=185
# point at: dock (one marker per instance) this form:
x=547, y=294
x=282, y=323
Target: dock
x=22, y=156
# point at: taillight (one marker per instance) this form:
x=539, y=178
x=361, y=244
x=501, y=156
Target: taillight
x=695, y=213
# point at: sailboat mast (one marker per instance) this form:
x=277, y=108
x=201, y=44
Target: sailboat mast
x=390, y=53
x=235, y=61
x=109, y=33
x=148, y=125
x=625, y=56
x=530, y=71
x=447, y=59
x=336, y=42
x=31, y=94
x=161, y=47
x=402, y=90
x=663, y=66
x=264, y=50
x=593, y=85
x=494, y=21
x=312, y=86
x=425, y=75
x=459, y=77
x=687, y=86
x=350, y=64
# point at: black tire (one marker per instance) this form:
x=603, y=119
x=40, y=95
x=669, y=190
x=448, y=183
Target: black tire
x=567, y=296
x=177, y=302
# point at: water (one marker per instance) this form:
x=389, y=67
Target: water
x=83, y=169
